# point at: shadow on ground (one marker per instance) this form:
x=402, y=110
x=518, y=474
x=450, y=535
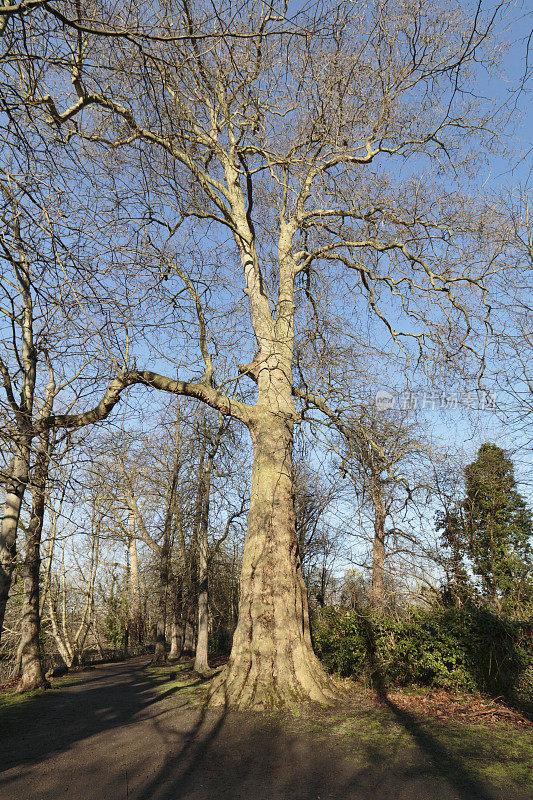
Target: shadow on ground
x=110, y=736
x=104, y=698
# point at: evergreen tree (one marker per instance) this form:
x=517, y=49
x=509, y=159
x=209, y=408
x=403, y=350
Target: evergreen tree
x=491, y=529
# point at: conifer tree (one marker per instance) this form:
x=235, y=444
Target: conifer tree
x=492, y=529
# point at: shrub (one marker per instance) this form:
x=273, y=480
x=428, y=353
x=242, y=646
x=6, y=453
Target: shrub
x=465, y=649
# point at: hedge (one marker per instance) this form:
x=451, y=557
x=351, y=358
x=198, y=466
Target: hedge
x=449, y=648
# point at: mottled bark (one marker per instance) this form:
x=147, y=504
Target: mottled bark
x=272, y=660
x=16, y=486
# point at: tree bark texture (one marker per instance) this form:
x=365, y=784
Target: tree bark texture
x=135, y=623
x=201, y=662
x=377, y=590
x=18, y=480
x=32, y=667
x=272, y=662
x=175, y=639
x=160, y=651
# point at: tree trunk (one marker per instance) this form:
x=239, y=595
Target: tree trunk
x=176, y=632
x=32, y=666
x=18, y=480
x=160, y=651
x=175, y=639
x=188, y=642
x=377, y=591
x=272, y=660
x=201, y=663
x=135, y=607
x=188, y=632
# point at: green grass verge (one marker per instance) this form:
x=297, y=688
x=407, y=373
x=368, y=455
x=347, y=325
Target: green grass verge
x=175, y=680
x=408, y=743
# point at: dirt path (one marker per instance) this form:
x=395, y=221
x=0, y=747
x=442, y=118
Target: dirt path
x=110, y=737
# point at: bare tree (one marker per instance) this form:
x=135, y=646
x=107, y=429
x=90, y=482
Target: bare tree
x=291, y=142
x=388, y=461
x=220, y=435
x=62, y=597
x=38, y=340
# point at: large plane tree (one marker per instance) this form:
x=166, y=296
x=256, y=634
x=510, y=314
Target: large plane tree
x=327, y=152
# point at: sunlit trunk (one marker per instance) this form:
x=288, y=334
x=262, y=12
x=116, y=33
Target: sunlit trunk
x=176, y=633
x=201, y=663
x=32, y=666
x=135, y=607
x=16, y=486
x=272, y=660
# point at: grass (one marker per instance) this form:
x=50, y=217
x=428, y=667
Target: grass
x=173, y=679
x=500, y=756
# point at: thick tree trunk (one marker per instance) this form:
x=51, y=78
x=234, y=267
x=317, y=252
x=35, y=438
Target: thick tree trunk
x=32, y=666
x=18, y=480
x=377, y=591
x=135, y=607
x=272, y=660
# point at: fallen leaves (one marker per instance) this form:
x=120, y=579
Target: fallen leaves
x=461, y=707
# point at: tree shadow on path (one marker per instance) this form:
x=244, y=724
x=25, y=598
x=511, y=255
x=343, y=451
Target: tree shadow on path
x=115, y=737
x=445, y=763
x=111, y=696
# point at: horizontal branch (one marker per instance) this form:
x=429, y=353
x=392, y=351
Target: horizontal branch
x=200, y=391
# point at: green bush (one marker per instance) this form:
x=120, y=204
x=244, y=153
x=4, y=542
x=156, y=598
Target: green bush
x=450, y=648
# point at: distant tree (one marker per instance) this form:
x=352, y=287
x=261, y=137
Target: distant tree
x=386, y=457
x=492, y=529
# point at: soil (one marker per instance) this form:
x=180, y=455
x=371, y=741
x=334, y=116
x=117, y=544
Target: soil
x=113, y=735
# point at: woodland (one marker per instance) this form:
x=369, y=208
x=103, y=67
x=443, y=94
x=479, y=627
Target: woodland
x=265, y=346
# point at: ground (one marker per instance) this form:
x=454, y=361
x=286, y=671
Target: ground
x=125, y=732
